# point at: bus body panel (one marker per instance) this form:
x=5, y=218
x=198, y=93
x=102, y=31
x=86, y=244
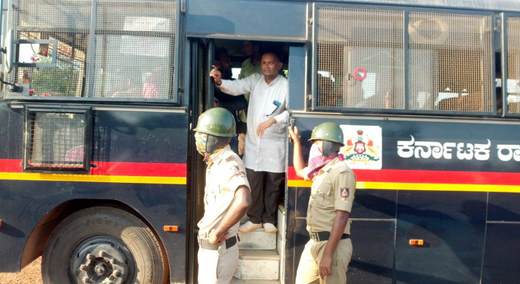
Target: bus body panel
x=460, y=207
x=282, y=20
x=139, y=162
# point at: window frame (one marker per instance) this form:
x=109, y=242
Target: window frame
x=31, y=110
x=313, y=104
x=174, y=93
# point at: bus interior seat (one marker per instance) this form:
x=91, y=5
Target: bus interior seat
x=448, y=104
x=471, y=102
x=514, y=107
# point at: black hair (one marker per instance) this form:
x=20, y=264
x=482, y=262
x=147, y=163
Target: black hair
x=219, y=52
x=256, y=43
x=275, y=52
x=133, y=75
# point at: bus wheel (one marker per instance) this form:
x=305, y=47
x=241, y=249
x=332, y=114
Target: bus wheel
x=102, y=245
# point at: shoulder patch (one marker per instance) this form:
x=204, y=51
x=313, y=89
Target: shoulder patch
x=233, y=168
x=345, y=192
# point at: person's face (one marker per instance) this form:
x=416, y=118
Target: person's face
x=248, y=48
x=270, y=65
x=225, y=62
x=121, y=84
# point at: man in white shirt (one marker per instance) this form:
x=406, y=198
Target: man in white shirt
x=266, y=138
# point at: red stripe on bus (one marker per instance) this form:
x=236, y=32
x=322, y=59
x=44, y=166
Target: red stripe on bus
x=394, y=176
x=422, y=176
x=139, y=169
x=115, y=168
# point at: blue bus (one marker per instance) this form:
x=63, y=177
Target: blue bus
x=100, y=177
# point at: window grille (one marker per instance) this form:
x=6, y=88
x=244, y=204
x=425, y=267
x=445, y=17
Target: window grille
x=513, y=54
x=57, y=139
x=362, y=60
x=132, y=56
x=450, y=62
x=363, y=52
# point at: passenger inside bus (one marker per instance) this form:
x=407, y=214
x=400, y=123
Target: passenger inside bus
x=152, y=88
x=253, y=50
x=128, y=84
x=267, y=130
x=229, y=102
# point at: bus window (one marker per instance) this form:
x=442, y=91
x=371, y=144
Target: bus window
x=513, y=81
x=365, y=50
x=136, y=40
x=452, y=52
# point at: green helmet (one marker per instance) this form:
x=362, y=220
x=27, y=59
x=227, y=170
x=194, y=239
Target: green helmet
x=327, y=131
x=217, y=122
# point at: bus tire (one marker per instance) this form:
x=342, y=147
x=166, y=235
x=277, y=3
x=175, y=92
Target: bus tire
x=103, y=245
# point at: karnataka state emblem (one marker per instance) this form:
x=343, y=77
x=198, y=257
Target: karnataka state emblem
x=360, y=145
x=363, y=145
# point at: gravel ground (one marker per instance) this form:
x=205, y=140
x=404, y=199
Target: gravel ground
x=31, y=274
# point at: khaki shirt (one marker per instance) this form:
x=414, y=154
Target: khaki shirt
x=224, y=175
x=333, y=188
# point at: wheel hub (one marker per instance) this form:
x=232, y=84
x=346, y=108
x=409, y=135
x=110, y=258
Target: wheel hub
x=101, y=262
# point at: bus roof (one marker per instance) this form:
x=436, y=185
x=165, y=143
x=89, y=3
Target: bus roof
x=492, y=5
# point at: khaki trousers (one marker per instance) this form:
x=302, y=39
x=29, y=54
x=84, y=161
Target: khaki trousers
x=217, y=266
x=308, y=269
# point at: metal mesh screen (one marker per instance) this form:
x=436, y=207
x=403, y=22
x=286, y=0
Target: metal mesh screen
x=44, y=15
x=360, y=58
x=134, y=47
x=513, y=54
x=56, y=140
x=450, y=62
x=64, y=21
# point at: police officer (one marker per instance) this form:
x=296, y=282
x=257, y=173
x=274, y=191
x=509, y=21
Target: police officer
x=227, y=197
x=329, y=250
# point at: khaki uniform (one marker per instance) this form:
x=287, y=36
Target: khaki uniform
x=224, y=175
x=332, y=189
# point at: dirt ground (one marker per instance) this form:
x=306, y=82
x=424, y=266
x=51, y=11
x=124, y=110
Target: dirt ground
x=31, y=274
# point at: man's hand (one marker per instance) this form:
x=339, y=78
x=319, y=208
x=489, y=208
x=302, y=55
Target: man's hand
x=294, y=134
x=216, y=239
x=264, y=125
x=325, y=263
x=216, y=75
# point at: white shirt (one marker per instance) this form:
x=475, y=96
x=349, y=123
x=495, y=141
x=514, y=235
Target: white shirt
x=266, y=153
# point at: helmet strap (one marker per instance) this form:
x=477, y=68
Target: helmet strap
x=330, y=148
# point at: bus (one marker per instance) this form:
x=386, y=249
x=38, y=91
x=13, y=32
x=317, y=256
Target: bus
x=100, y=177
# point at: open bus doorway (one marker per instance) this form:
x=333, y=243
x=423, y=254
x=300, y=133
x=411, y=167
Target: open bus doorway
x=204, y=53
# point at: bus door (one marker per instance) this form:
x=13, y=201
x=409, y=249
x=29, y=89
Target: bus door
x=201, y=97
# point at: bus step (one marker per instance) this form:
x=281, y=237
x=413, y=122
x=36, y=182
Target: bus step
x=258, y=265
x=257, y=239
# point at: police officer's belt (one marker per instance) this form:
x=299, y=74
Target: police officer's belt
x=204, y=243
x=324, y=236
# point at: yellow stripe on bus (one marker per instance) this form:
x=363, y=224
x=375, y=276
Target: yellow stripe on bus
x=291, y=183
x=92, y=178
x=422, y=186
